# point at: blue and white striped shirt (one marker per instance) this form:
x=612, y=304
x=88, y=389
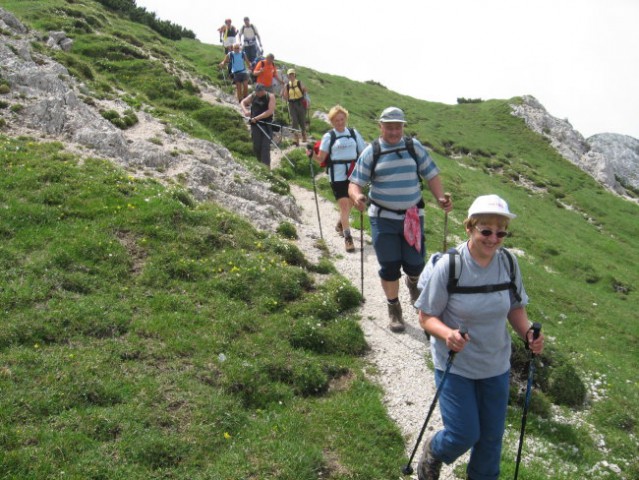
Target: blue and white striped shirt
x=395, y=185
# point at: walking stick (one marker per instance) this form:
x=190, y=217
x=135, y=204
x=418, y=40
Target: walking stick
x=408, y=470
x=310, y=163
x=273, y=142
x=276, y=125
x=447, y=196
x=536, y=328
x=361, y=250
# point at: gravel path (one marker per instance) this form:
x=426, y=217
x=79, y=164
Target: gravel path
x=399, y=359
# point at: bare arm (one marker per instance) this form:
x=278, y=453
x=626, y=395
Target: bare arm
x=518, y=319
x=246, y=104
x=436, y=188
x=357, y=195
x=321, y=157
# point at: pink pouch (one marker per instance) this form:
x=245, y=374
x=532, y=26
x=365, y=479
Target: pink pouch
x=413, y=228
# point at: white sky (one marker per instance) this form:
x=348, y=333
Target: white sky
x=579, y=58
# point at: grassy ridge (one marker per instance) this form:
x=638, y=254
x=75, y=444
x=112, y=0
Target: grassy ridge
x=106, y=274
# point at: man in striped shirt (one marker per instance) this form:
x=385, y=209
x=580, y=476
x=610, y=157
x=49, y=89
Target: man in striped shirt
x=396, y=209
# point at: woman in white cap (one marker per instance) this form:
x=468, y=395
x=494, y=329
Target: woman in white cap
x=474, y=398
x=294, y=93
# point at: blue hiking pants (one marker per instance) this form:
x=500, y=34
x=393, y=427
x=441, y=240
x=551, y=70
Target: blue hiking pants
x=474, y=415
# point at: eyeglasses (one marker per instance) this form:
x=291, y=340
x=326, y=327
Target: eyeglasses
x=486, y=232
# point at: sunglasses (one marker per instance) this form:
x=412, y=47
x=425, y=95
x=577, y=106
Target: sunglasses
x=486, y=232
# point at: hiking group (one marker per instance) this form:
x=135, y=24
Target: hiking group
x=464, y=302
x=245, y=64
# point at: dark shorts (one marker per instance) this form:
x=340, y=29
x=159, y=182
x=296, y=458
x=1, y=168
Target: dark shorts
x=393, y=251
x=240, y=77
x=340, y=189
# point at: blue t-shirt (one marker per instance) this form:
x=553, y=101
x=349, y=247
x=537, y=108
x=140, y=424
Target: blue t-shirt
x=395, y=185
x=344, y=148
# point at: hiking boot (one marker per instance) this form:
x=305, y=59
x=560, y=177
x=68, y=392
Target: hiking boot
x=429, y=467
x=396, y=320
x=339, y=229
x=411, y=283
x=348, y=242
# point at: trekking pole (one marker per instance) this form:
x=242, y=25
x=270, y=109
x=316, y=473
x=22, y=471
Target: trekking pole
x=277, y=125
x=361, y=250
x=309, y=151
x=447, y=197
x=273, y=142
x=226, y=82
x=536, y=328
x=408, y=470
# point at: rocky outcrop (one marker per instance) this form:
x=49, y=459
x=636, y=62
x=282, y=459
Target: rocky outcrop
x=594, y=156
x=621, y=153
x=50, y=105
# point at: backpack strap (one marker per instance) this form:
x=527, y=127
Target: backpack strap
x=455, y=270
x=409, y=146
x=511, y=265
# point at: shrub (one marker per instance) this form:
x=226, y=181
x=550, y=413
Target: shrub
x=309, y=378
x=345, y=295
x=287, y=230
x=343, y=336
x=110, y=114
x=289, y=252
x=318, y=305
x=566, y=388
x=324, y=266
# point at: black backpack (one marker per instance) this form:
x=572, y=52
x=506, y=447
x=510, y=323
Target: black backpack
x=454, y=271
x=408, y=146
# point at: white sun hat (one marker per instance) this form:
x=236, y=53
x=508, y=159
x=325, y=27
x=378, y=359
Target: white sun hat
x=490, y=204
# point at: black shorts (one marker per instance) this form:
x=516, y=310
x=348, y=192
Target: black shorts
x=340, y=189
x=240, y=77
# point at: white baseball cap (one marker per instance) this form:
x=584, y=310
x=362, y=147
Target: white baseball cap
x=490, y=204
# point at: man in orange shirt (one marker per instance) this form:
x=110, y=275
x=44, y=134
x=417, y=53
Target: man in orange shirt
x=265, y=71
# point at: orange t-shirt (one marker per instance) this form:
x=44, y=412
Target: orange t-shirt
x=266, y=77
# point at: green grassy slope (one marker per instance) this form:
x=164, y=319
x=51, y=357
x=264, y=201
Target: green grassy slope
x=107, y=355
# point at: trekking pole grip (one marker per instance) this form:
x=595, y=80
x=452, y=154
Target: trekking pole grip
x=463, y=331
x=536, y=329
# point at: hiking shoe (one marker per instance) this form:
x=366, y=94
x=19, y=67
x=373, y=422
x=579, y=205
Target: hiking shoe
x=396, y=320
x=429, y=467
x=339, y=229
x=348, y=242
x=411, y=283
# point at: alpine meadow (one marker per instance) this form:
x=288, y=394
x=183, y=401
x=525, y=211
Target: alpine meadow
x=149, y=333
